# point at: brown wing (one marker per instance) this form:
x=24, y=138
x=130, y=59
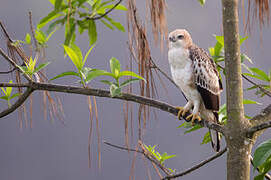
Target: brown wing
x=206, y=78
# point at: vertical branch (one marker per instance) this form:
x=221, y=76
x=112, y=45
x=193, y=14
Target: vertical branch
x=232, y=62
x=238, y=164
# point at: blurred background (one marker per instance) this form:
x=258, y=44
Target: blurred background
x=51, y=150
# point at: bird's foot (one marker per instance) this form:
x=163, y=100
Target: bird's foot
x=193, y=117
x=182, y=112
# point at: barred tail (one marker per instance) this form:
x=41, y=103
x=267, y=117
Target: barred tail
x=215, y=139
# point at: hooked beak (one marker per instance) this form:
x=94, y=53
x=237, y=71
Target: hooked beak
x=172, y=39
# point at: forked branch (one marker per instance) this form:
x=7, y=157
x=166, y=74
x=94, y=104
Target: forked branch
x=265, y=121
x=196, y=166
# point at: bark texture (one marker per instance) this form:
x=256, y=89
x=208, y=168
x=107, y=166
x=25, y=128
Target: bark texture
x=239, y=147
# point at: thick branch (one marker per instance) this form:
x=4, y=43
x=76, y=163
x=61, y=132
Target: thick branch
x=264, y=117
x=197, y=166
x=18, y=103
x=104, y=93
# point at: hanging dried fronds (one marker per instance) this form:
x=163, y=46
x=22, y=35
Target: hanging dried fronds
x=140, y=51
x=18, y=55
x=260, y=10
x=157, y=10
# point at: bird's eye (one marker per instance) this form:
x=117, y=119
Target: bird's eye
x=180, y=37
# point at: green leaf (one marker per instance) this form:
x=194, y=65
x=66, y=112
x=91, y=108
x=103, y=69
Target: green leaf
x=23, y=69
x=92, y=32
x=73, y=56
x=40, y=37
x=69, y=73
x=244, y=56
x=218, y=48
x=15, y=95
x=168, y=156
x=115, y=67
x=254, y=76
x=51, y=16
x=53, y=26
x=242, y=39
x=125, y=83
x=119, y=7
x=107, y=24
x=58, y=4
x=206, y=138
x=259, y=177
x=78, y=52
x=262, y=153
x=107, y=82
x=220, y=40
x=96, y=73
x=248, y=101
x=202, y=2
x=9, y=89
x=260, y=73
x=69, y=32
x=40, y=67
x=86, y=56
x=130, y=73
x=114, y=90
x=27, y=38
x=194, y=128
x=4, y=97
x=115, y=23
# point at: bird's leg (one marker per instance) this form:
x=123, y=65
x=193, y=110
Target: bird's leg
x=185, y=109
x=195, y=113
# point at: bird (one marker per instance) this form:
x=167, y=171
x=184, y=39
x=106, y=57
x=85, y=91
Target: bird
x=195, y=73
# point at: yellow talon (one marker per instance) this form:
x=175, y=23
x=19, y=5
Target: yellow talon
x=194, y=117
x=182, y=112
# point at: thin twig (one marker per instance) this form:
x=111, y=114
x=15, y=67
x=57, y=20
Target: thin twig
x=7, y=72
x=32, y=29
x=18, y=103
x=145, y=153
x=107, y=12
x=258, y=86
x=252, y=82
x=197, y=166
x=14, y=64
x=5, y=31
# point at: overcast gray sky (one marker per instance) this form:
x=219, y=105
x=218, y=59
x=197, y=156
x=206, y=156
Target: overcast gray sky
x=53, y=151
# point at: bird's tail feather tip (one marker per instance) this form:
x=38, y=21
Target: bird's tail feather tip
x=215, y=140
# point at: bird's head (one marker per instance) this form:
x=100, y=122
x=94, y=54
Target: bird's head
x=179, y=38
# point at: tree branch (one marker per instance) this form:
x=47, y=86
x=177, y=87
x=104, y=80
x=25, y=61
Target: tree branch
x=107, y=12
x=104, y=93
x=145, y=153
x=264, y=117
x=18, y=103
x=252, y=82
x=197, y=166
x=13, y=63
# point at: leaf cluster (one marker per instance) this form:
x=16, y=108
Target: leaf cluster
x=30, y=67
x=86, y=74
x=8, y=96
x=160, y=157
x=80, y=15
